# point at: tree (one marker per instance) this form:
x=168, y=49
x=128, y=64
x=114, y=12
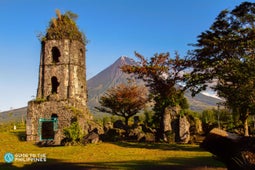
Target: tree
x=124, y=100
x=226, y=54
x=161, y=74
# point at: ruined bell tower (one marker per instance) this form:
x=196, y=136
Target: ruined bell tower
x=62, y=94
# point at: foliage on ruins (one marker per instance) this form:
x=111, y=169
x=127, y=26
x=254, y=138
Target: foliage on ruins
x=225, y=53
x=161, y=74
x=76, y=111
x=64, y=27
x=40, y=100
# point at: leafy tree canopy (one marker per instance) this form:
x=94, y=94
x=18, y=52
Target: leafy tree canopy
x=161, y=74
x=124, y=100
x=225, y=54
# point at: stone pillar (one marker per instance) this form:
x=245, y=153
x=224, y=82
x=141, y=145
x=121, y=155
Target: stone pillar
x=170, y=114
x=167, y=120
x=184, y=126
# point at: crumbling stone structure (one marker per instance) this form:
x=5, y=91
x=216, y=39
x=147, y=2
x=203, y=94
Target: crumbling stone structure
x=62, y=94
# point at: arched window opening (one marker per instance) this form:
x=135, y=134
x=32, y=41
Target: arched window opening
x=54, y=85
x=81, y=55
x=54, y=116
x=55, y=54
x=81, y=52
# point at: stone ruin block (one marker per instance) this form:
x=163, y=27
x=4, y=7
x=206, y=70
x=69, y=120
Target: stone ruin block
x=62, y=93
x=237, y=152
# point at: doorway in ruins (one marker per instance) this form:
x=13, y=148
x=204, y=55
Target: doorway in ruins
x=48, y=127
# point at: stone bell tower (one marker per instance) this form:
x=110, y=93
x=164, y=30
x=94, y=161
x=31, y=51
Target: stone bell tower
x=61, y=95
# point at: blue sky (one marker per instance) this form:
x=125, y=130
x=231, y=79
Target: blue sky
x=113, y=28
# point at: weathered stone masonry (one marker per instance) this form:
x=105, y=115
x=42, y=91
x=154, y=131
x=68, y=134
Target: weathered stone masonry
x=68, y=71
x=61, y=94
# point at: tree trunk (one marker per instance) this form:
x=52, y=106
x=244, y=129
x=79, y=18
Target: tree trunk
x=126, y=126
x=166, y=123
x=126, y=121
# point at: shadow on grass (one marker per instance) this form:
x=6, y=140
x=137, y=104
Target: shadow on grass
x=171, y=163
x=161, y=146
x=21, y=135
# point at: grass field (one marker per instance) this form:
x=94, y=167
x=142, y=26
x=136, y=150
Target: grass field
x=120, y=155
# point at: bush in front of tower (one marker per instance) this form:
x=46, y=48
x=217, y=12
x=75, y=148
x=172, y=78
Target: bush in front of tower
x=73, y=134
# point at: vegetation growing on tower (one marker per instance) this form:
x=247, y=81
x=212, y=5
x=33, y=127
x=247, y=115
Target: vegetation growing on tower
x=64, y=27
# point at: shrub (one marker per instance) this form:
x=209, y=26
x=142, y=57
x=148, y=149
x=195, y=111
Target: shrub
x=72, y=134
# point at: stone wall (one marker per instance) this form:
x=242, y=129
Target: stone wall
x=65, y=110
x=69, y=70
x=62, y=91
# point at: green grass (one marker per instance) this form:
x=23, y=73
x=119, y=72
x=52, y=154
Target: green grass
x=119, y=155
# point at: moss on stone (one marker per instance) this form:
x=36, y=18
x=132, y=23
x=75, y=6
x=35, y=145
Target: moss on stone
x=76, y=111
x=40, y=100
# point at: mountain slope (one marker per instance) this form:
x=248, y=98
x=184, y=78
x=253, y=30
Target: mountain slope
x=14, y=115
x=109, y=77
x=112, y=76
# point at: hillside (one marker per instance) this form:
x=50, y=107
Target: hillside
x=13, y=115
x=109, y=77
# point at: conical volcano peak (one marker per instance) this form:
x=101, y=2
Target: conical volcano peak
x=124, y=60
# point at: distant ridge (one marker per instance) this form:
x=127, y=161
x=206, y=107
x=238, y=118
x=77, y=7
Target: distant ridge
x=13, y=115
